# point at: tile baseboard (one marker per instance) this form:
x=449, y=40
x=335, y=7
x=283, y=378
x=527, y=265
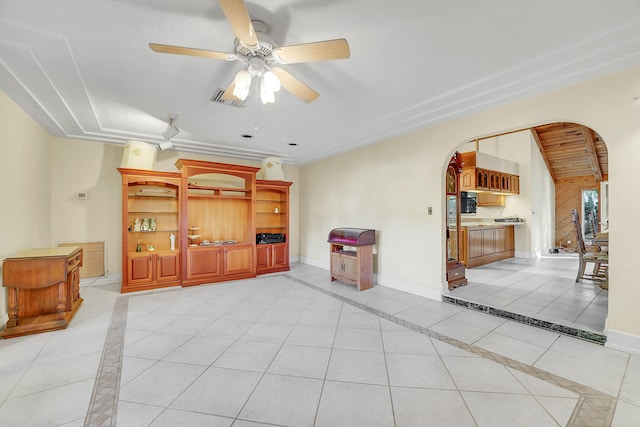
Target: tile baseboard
x=575, y=332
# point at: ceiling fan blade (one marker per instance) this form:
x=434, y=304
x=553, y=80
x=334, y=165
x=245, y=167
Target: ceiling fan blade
x=295, y=86
x=240, y=21
x=179, y=50
x=309, y=52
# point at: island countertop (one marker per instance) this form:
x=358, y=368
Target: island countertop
x=484, y=222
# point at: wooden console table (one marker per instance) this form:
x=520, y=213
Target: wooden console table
x=43, y=289
x=353, y=266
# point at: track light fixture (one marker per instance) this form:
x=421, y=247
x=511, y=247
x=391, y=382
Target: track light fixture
x=172, y=130
x=165, y=145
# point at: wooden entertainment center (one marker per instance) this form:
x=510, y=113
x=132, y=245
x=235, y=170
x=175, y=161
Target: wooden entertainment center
x=205, y=221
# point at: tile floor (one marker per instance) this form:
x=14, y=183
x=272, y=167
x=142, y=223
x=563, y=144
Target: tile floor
x=295, y=350
x=543, y=288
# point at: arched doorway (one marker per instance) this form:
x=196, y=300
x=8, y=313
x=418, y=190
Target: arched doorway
x=557, y=162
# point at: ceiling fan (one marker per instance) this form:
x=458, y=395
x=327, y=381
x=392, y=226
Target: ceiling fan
x=262, y=57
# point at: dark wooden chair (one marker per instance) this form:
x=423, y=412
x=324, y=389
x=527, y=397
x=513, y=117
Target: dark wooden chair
x=599, y=259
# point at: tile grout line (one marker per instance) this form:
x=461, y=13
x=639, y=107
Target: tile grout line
x=594, y=408
x=103, y=406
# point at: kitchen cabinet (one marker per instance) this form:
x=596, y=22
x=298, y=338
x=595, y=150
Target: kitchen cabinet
x=475, y=178
x=490, y=200
x=485, y=244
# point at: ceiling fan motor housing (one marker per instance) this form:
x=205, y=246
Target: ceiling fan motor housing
x=265, y=47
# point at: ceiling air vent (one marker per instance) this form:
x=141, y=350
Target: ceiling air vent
x=217, y=97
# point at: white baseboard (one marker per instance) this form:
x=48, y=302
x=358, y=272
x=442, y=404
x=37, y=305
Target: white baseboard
x=3, y=321
x=102, y=280
x=314, y=263
x=410, y=287
x=389, y=282
x=521, y=254
x=623, y=341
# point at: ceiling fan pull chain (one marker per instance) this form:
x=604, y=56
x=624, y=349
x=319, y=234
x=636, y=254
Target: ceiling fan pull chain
x=255, y=116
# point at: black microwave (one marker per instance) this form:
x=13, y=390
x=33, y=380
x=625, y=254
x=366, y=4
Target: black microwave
x=468, y=202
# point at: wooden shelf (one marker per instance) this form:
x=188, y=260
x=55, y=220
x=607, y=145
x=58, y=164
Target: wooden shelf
x=168, y=230
x=271, y=195
x=221, y=197
x=220, y=191
x=150, y=194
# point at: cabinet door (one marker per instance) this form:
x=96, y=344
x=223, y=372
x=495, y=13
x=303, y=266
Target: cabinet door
x=73, y=286
x=475, y=243
x=490, y=199
x=263, y=257
x=349, y=267
x=238, y=259
x=482, y=179
x=280, y=255
x=509, y=240
x=468, y=179
x=336, y=266
x=488, y=241
x=140, y=269
x=500, y=239
x=167, y=267
x=203, y=262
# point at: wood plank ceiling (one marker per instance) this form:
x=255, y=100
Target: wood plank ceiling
x=572, y=150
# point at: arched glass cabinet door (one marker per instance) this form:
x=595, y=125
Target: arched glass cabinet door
x=455, y=269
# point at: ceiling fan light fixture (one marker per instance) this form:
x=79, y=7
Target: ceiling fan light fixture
x=266, y=96
x=241, y=92
x=271, y=81
x=242, y=82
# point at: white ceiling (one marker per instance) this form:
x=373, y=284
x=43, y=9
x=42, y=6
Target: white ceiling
x=83, y=68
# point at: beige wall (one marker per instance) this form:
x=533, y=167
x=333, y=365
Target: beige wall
x=90, y=167
x=25, y=216
x=389, y=185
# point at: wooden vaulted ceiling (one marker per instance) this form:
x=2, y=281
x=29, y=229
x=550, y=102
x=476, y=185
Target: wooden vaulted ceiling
x=572, y=150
